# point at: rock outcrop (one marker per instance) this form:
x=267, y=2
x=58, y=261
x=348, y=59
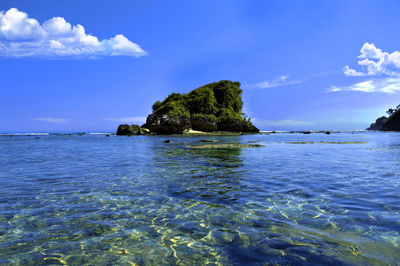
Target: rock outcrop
x=127, y=130
x=167, y=124
x=213, y=107
x=379, y=123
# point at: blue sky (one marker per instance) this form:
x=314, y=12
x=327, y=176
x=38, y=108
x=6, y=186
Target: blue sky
x=302, y=64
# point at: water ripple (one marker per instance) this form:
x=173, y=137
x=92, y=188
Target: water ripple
x=296, y=199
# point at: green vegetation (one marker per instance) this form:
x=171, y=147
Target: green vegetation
x=393, y=122
x=391, y=111
x=218, y=98
x=215, y=106
x=173, y=105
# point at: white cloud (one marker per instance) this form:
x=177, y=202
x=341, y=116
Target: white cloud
x=277, y=82
x=282, y=123
x=53, y=120
x=334, y=88
x=351, y=72
x=365, y=86
x=375, y=62
x=130, y=120
x=22, y=36
x=387, y=85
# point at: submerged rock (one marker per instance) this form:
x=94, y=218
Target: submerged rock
x=224, y=146
x=343, y=142
x=300, y=142
x=327, y=142
x=208, y=140
x=213, y=107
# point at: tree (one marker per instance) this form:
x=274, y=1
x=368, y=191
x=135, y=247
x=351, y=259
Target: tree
x=390, y=111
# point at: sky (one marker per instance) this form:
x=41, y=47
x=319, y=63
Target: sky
x=72, y=65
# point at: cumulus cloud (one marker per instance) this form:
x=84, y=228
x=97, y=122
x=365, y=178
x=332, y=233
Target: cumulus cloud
x=375, y=62
x=352, y=73
x=22, y=36
x=389, y=85
x=277, y=82
x=129, y=120
x=53, y=120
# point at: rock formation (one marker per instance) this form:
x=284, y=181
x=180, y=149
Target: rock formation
x=378, y=125
x=125, y=129
x=213, y=107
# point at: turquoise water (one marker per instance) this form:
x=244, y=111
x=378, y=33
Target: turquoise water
x=298, y=199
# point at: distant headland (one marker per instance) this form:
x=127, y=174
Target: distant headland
x=212, y=108
x=391, y=123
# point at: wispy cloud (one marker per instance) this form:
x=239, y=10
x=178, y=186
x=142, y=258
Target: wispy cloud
x=282, y=123
x=22, y=36
x=385, y=85
x=134, y=119
x=53, y=120
x=375, y=62
x=277, y=82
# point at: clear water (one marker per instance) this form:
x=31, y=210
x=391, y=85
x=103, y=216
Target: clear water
x=102, y=200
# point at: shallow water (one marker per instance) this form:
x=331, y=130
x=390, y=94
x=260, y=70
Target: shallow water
x=296, y=199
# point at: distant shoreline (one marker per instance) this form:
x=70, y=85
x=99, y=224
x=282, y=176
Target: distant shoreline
x=194, y=133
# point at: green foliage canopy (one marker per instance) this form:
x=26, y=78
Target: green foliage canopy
x=219, y=100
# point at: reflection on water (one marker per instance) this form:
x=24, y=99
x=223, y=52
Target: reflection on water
x=137, y=201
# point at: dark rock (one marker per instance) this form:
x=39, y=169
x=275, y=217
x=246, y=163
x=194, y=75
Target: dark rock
x=208, y=140
x=327, y=132
x=107, y=135
x=306, y=132
x=203, y=123
x=379, y=123
x=225, y=146
x=78, y=260
x=167, y=124
x=168, y=141
x=254, y=141
x=237, y=125
x=127, y=130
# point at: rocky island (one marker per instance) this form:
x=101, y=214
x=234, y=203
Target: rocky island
x=214, y=107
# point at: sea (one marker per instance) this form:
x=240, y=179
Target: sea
x=270, y=198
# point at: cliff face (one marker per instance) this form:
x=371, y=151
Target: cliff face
x=393, y=122
x=378, y=125
x=213, y=107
